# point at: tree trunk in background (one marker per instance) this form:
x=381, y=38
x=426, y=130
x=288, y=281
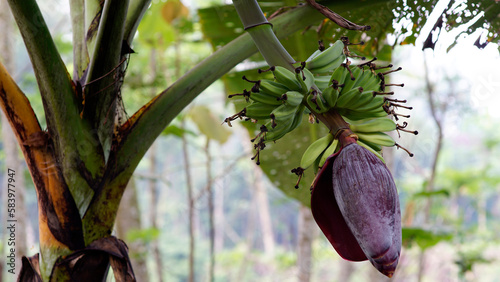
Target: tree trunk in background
x=129, y=218
x=153, y=210
x=219, y=218
x=347, y=269
x=190, y=201
x=307, y=232
x=11, y=149
x=264, y=214
x=210, y=203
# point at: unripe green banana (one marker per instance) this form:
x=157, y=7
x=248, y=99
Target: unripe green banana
x=313, y=55
x=355, y=115
x=378, y=138
x=373, y=105
x=314, y=150
x=340, y=74
x=283, y=127
x=272, y=87
x=363, y=78
x=382, y=124
x=265, y=98
x=287, y=78
x=322, y=81
x=330, y=95
x=327, y=56
x=348, y=82
x=294, y=98
x=329, y=68
x=257, y=110
x=316, y=102
x=328, y=152
x=365, y=102
x=348, y=97
x=297, y=119
x=375, y=147
x=371, y=82
x=376, y=153
x=283, y=112
x=306, y=80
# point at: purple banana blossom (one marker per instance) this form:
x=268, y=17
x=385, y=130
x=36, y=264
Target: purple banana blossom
x=355, y=203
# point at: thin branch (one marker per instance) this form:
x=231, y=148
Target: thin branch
x=336, y=18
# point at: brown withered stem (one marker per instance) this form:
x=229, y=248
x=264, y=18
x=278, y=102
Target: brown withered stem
x=336, y=18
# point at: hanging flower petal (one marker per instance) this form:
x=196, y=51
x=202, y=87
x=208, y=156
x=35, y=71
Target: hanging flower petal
x=367, y=198
x=330, y=220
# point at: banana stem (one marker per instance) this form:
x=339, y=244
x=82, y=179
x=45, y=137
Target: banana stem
x=261, y=31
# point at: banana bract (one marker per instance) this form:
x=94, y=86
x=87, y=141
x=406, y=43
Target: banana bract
x=355, y=203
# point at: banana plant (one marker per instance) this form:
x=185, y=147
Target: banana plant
x=81, y=163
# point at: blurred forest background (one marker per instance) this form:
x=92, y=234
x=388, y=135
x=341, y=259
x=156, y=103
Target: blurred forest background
x=198, y=203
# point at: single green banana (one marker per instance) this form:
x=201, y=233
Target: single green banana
x=314, y=150
x=280, y=129
x=271, y=87
x=372, y=82
x=348, y=97
x=378, y=138
x=259, y=111
x=287, y=78
x=355, y=115
x=365, y=101
x=313, y=55
x=294, y=98
x=265, y=98
x=382, y=124
x=374, y=104
x=339, y=75
x=297, y=119
x=348, y=82
x=283, y=112
x=363, y=78
x=330, y=95
x=309, y=81
x=327, y=56
x=376, y=153
x=372, y=145
x=322, y=81
x=328, y=152
x=316, y=102
x=329, y=68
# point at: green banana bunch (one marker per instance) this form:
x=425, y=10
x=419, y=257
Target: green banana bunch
x=326, y=82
